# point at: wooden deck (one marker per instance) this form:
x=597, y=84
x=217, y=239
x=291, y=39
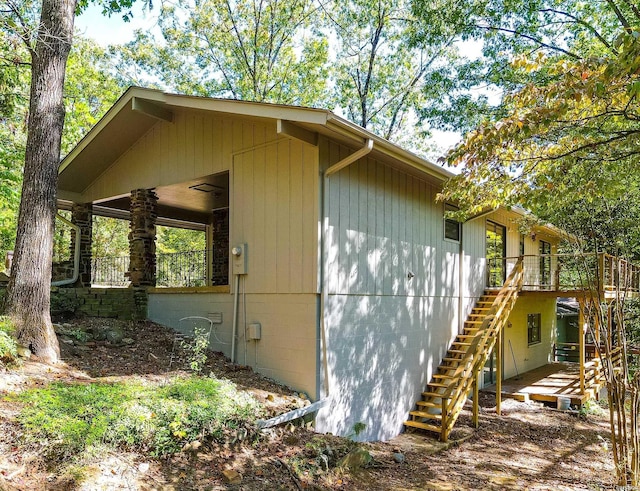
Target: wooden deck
x=545, y=383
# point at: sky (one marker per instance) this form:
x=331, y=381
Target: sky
x=114, y=30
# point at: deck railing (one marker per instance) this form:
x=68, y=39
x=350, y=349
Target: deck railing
x=568, y=272
x=571, y=352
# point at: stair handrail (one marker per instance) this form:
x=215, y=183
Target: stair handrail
x=454, y=395
x=495, y=311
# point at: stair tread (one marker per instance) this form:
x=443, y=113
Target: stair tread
x=432, y=394
x=442, y=375
x=428, y=404
x=425, y=415
x=423, y=426
x=465, y=346
x=438, y=384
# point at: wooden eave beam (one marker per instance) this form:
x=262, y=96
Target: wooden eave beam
x=150, y=109
x=287, y=128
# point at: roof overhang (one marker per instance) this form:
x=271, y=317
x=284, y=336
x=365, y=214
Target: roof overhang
x=139, y=109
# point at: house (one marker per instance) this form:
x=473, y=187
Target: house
x=327, y=254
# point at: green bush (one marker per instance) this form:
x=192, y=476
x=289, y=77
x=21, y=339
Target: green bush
x=3, y=294
x=63, y=303
x=160, y=420
x=8, y=344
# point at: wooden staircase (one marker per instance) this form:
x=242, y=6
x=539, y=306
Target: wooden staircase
x=457, y=375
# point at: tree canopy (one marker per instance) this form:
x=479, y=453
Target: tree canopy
x=266, y=51
x=571, y=30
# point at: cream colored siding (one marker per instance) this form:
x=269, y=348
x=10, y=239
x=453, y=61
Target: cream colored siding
x=287, y=351
x=274, y=208
x=273, y=195
x=475, y=275
x=383, y=225
x=193, y=146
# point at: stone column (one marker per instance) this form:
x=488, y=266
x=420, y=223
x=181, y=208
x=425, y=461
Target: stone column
x=82, y=216
x=220, y=246
x=142, y=238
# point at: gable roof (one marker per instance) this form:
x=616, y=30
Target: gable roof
x=138, y=109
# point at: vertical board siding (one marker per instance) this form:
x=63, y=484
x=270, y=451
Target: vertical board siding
x=385, y=333
x=271, y=185
x=382, y=225
x=287, y=349
x=194, y=145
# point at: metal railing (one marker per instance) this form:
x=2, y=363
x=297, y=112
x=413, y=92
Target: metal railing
x=568, y=272
x=182, y=269
x=179, y=269
x=110, y=271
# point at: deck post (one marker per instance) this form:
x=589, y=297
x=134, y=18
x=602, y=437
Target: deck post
x=499, y=371
x=581, y=357
x=444, y=422
x=476, y=395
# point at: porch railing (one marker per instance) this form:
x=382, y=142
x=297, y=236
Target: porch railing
x=179, y=269
x=182, y=269
x=110, y=271
x=568, y=272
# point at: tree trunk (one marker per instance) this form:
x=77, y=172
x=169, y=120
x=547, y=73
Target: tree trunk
x=29, y=289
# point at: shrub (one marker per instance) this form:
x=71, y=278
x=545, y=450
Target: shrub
x=8, y=344
x=161, y=420
x=63, y=303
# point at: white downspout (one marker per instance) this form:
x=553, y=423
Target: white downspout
x=76, y=256
x=350, y=159
x=323, y=249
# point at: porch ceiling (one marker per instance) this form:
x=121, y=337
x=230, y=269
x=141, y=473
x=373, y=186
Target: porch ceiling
x=190, y=201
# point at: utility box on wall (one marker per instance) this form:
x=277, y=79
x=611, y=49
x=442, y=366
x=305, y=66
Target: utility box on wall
x=255, y=331
x=239, y=259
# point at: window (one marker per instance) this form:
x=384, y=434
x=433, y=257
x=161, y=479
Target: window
x=496, y=248
x=452, y=228
x=545, y=263
x=522, y=244
x=533, y=329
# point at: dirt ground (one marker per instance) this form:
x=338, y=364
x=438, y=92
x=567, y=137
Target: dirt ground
x=529, y=447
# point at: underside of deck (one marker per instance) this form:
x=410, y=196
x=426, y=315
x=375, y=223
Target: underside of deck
x=547, y=383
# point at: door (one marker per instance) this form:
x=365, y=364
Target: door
x=496, y=250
